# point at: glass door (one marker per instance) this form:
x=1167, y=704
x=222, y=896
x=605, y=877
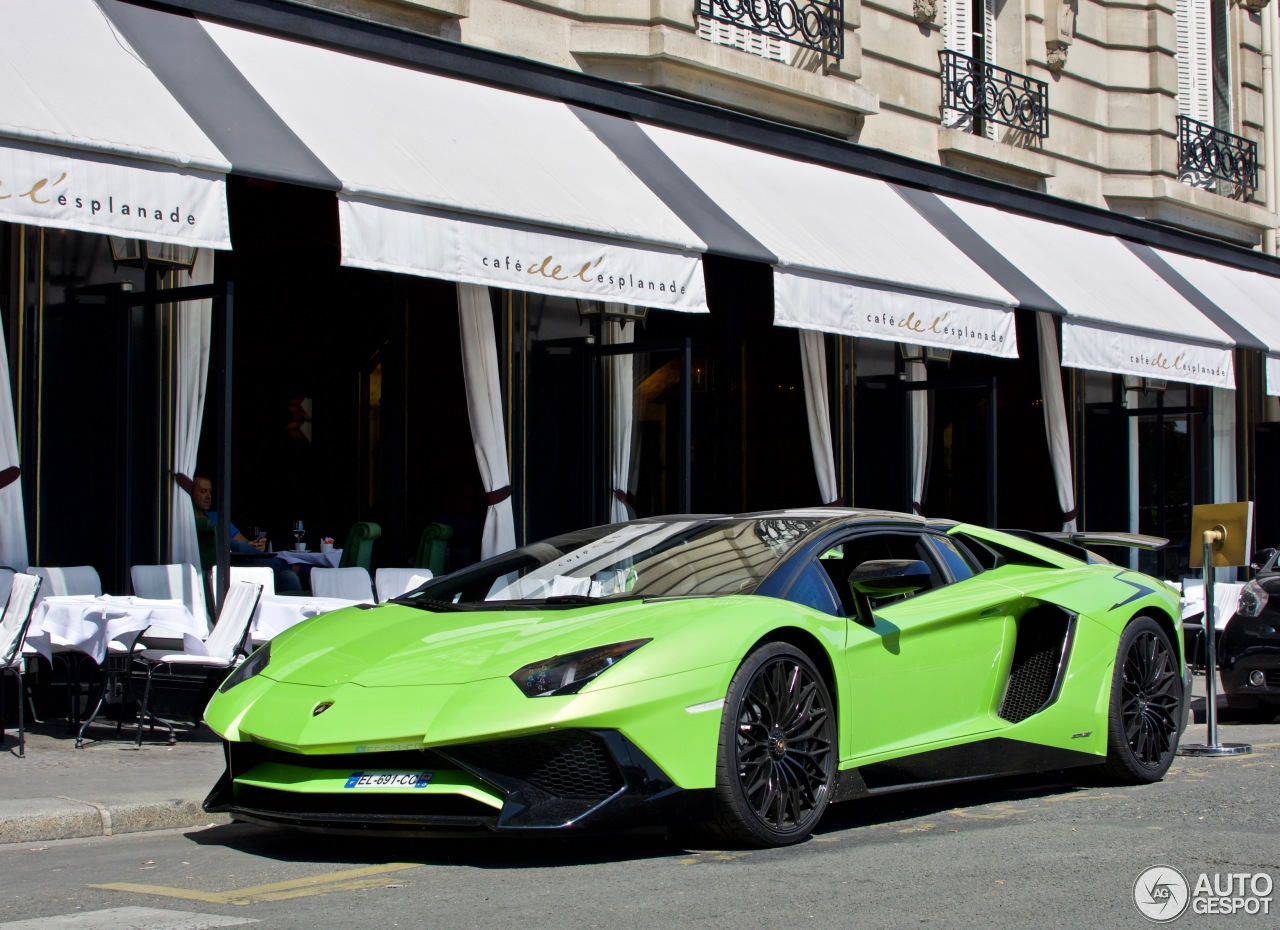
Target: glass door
x=642, y=430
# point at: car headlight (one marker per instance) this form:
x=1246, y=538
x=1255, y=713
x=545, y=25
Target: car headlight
x=569, y=674
x=248, y=668
x=1253, y=598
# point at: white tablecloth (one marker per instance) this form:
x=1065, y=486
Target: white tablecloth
x=88, y=623
x=328, y=559
x=1226, y=598
x=277, y=612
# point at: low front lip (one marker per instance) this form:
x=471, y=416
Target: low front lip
x=641, y=795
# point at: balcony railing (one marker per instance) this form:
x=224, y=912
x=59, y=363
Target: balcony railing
x=811, y=24
x=988, y=94
x=1215, y=159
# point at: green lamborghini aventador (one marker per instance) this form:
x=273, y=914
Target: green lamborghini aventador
x=737, y=672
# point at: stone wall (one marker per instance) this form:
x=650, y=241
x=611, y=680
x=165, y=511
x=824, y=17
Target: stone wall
x=1110, y=67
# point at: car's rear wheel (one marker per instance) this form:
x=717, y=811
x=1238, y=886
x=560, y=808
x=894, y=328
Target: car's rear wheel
x=777, y=758
x=1146, y=702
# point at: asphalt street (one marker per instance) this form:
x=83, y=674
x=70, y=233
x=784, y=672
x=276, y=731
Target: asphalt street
x=1013, y=853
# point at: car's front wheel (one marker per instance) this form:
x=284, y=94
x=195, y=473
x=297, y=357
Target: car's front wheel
x=777, y=757
x=1146, y=704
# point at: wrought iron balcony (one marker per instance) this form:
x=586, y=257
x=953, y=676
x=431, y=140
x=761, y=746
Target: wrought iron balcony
x=989, y=94
x=1215, y=159
x=811, y=24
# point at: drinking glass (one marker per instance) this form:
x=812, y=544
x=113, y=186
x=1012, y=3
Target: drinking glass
x=299, y=530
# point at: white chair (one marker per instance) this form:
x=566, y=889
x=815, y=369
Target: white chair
x=13, y=627
x=257, y=574
x=6, y=581
x=179, y=582
x=218, y=652
x=69, y=579
x=392, y=582
x=352, y=584
x=64, y=581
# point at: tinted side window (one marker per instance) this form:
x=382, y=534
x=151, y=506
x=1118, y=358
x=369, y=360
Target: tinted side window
x=957, y=561
x=840, y=559
x=813, y=589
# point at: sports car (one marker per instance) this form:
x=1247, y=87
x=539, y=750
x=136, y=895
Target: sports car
x=736, y=673
x=1248, y=650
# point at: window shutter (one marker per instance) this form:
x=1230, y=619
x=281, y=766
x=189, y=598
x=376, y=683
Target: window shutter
x=989, y=31
x=1195, y=60
x=721, y=33
x=957, y=28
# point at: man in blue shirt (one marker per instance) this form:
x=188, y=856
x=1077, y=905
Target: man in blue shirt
x=202, y=499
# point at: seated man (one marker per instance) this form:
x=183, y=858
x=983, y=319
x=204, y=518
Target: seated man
x=202, y=500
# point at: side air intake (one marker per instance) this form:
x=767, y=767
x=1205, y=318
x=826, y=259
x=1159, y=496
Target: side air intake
x=1039, y=661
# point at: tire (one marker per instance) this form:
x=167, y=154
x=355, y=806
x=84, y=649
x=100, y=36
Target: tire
x=1145, y=707
x=777, y=758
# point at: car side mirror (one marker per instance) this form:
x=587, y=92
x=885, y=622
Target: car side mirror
x=886, y=578
x=1261, y=558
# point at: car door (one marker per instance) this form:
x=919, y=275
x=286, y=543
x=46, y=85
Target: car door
x=927, y=667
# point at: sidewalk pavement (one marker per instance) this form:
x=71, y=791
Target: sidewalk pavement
x=59, y=792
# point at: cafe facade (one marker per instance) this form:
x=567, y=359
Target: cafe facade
x=351, y=273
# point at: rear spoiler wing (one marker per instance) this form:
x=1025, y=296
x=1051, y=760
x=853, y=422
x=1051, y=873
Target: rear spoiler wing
x=1129, y=540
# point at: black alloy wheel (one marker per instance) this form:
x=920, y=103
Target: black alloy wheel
x=777, y=759
x=1146, y=704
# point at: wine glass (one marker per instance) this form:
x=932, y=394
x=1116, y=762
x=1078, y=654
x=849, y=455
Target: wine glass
x=299, y=530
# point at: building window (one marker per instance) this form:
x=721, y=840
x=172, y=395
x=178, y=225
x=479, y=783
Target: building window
x=817, y=25
x=978, y=96
x=1210, y=155
x=969, y=28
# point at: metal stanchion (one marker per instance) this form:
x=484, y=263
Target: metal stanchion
x=1211, y=747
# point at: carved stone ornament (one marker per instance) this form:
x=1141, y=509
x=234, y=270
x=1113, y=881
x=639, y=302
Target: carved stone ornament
x=1059, y=31
x=1254, y=6
x=926, y=11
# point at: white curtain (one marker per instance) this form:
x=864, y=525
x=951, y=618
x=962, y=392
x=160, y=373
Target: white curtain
x=1224, y=447
x=621, y=417
x=484, y=407
x=1055, y=419
x=817, y=401
x=191, y=381
x=13, y=527
x=916, y=371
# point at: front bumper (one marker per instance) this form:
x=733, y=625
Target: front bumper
x=579, y=781
x=1251, y=645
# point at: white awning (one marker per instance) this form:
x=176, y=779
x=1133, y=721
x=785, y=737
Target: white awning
x=1250, y=298
x=97, y=143
x=445, y=178
x=853, y=257
x=1122, y=317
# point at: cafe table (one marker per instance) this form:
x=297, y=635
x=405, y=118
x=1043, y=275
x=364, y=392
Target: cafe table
x=325, y=558
x=89, y=625
x=277, y=612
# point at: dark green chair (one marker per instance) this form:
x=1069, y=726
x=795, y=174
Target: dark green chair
x=207, y=542
x=433, y=548
x=358, y=549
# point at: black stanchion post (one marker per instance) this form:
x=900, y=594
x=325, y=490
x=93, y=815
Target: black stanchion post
x=1213, y=539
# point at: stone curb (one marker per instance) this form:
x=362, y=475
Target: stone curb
x=40, y=820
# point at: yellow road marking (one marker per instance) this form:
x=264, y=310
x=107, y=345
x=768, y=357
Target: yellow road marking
x=918, y=828
x=350, y=880
x=994, y=815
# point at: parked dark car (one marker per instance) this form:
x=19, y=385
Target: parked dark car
x=1249, y=646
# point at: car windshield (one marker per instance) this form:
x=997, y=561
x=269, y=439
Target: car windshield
x=663, y=557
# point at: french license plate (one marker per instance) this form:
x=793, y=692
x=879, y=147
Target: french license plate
x=374, y=780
